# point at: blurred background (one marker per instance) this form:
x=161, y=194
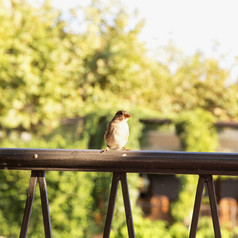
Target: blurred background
x=66, y=67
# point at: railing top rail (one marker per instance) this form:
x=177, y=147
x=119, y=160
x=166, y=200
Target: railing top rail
x=120, y=161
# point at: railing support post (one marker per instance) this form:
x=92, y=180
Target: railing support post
x=111, y=205
x=28, y=207
x=44, y=203
x=213, y=205
x=112, y=201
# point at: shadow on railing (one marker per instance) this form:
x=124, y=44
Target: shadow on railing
x=119, y=163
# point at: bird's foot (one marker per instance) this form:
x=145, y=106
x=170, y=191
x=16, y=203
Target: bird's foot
x=106, y=149
x=124, y=148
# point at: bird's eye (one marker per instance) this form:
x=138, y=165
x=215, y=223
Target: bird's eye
x=119, y=113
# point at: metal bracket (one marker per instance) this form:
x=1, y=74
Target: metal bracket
x=112, y=201
x=44, y=203
x=213, y=205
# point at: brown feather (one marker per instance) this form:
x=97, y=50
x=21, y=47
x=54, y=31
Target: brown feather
x=117, y=131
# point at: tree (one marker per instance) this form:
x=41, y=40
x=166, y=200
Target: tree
x=201, y=83
x=50, y=73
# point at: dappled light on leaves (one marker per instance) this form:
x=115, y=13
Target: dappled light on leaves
x=60, y=86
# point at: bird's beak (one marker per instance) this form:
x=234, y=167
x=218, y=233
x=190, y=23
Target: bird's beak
x=127, y=115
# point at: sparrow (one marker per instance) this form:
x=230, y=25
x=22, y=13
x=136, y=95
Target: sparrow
x=117, y=131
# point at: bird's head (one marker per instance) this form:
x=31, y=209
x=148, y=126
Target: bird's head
x=122, y=115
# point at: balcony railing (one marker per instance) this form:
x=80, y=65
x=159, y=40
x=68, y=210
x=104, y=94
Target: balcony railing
x=119, y=163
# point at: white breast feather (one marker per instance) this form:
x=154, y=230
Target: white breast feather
x=120, y=135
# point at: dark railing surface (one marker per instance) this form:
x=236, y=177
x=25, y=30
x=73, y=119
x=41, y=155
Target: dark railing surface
x=119, y=163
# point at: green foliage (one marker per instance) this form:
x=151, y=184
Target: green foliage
x=206, y=228
x=178, y=230
x=50, y=73
x=201, y=83
x=196, y=131
x=145, y=228
x=55, y=73
x=13, y=192
x=31, y=78
x=181, y=211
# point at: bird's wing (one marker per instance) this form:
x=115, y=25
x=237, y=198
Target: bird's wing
x=109, y=130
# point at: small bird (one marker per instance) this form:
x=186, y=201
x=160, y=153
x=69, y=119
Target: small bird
x=117, y=131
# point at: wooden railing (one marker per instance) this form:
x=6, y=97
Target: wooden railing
x=119, y=163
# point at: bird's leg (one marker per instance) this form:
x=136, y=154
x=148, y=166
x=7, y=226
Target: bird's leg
x=124, y=148
x=106, y=149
